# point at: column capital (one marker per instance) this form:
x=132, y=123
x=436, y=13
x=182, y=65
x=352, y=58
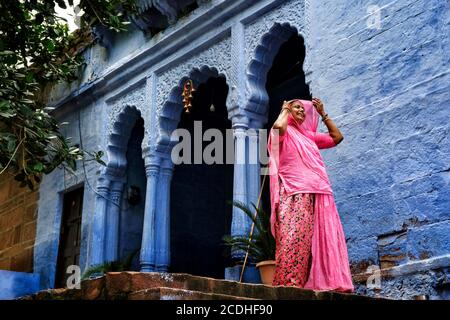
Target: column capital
x=103, y=185
x=167, y=167
x=116, y=186
x=151, y=170
x=253, y=133
x=240, y=121
x=239, y=133
x=148, y=152
x=152, y=165
x=240, y=126
x=116, y=192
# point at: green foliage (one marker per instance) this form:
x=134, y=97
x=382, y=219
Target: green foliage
x=113, y=266
x=34, y=46
x=112, y=13
x=261, y=246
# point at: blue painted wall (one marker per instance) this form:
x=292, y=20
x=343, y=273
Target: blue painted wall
x=388, y=89
x=16, y=284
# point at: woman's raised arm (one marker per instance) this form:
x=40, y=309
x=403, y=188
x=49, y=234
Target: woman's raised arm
x=333, y=130
x=282, y=120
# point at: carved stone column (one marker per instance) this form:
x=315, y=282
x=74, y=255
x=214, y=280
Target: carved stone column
x=148, y=247
x=112, y=222
x=240, y=224
x=253, y=168
x=97, y=255
x=163, y=217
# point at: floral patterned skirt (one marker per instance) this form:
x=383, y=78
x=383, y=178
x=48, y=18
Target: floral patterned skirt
x=294, y=231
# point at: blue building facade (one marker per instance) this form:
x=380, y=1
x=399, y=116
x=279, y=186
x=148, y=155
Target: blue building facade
x=382, y=70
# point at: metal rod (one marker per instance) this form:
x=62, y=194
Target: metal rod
x=253, y=227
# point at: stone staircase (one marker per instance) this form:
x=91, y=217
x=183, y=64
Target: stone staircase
x=180, y=286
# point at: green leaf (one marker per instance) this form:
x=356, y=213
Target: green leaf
x=4, y=104
x=6, y=53
x=29, y=77
x=11, y=145
x=32, y=56
x=261, y=246
x=39, y=167
x=49, y=44
x=7, y=114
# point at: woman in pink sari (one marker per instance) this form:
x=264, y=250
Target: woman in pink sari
x=310, y=244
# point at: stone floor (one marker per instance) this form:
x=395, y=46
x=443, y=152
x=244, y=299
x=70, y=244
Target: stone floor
x=180, y=286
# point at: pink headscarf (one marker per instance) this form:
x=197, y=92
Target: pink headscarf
x=296, y=160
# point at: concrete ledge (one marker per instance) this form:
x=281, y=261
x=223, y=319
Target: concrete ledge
x=15, y=284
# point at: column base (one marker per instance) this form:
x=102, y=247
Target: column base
x=162, y=268
x=251, y=274
x=147, y=267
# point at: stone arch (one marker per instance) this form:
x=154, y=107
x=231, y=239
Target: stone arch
x=195, y=200
x=260, y=64
x=118, y=142
x=173, y=107
x=109, y=190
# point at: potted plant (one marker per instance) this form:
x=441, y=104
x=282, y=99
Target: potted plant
x=111, y=266
x=259, y=245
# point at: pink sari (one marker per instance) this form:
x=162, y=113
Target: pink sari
x=295, y=159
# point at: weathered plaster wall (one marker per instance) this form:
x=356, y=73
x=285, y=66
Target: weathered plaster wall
x=388, y=90
x=55, y=184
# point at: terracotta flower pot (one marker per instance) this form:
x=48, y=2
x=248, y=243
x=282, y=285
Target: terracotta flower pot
x=267, y=271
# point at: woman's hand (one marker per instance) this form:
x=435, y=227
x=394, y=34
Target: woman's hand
x=333, y=130
x=318, y=104
x=286, y=105
x=281, y=123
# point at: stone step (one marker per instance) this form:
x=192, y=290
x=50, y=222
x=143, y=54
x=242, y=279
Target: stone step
x=117, y=282
x=165, y=293
x=155, y=285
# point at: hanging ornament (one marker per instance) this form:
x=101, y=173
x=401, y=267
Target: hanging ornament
x=212, y=108
x=188, y=90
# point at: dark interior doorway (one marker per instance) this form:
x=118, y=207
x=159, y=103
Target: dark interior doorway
x=70, y=236
x=133, y=200
x=285, y=81
x=200, y=212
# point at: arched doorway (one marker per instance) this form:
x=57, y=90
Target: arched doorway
x=117, y=225
x=133, y=198
x=200, y=193
x=285, y=81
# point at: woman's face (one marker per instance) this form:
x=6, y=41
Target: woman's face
x=298, y=111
